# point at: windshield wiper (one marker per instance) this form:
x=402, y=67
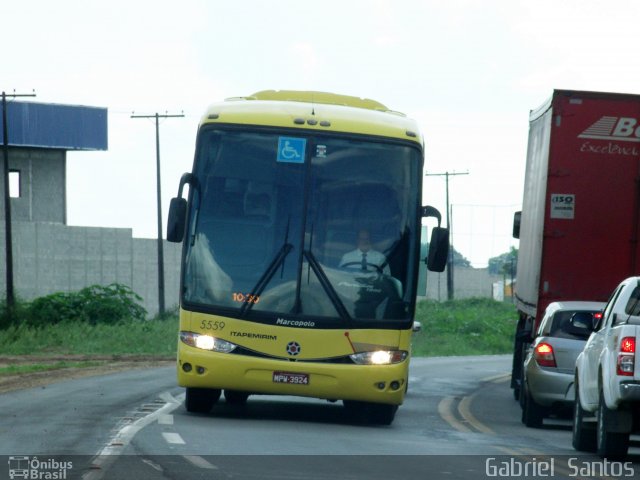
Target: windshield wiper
x=268, y=274
x=266, y=277
x=326, y=285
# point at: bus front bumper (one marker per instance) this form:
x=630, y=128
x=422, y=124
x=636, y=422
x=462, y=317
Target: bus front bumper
x=369, y=383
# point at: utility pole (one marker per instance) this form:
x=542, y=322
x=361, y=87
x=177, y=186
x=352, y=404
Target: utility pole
x=449, y=226
x=161, y=307
x=8, y=240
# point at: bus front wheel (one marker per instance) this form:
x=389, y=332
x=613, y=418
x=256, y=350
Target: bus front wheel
x=235, y=397
x=200, y=400
x=374, y=413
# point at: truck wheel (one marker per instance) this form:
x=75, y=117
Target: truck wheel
x=234, y=397
x=532, y=412
x=516, y=371
x=611, y=445
x=584, y=433
x=516, y=393
x=522, y=388
x=200, y=400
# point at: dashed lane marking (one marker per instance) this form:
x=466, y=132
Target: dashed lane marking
x=200, y=462
x=116, y=445
x=152, y=464
x=165, y=419
x=173, y=438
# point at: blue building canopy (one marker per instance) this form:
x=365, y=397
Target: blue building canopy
x=65, y=127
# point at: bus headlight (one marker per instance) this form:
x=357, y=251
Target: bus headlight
x=207, y=342
x=379, y=357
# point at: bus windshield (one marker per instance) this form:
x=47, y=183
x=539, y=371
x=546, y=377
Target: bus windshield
x=290, y=228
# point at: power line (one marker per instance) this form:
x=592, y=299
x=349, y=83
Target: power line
x=7, y=201
x=157, y=117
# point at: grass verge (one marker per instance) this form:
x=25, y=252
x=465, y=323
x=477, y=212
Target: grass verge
x=134, y=337
x=475, y=326
x=459, y=327
x=44, y=367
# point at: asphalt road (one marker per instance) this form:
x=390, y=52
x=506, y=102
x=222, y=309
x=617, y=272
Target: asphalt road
x=459, y=420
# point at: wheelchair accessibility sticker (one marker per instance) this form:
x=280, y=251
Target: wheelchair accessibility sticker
x=291, y=149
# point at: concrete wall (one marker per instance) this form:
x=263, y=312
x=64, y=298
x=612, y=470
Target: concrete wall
x=51, y=257
x=42, y=185
x=467, y=283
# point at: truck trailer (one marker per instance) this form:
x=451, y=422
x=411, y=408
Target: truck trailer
x=579, y=223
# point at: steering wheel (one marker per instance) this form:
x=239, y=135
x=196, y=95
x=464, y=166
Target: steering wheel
x=378, y=268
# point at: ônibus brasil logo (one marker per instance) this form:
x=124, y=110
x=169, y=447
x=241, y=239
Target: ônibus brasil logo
x=624, y=129
x=35, y=469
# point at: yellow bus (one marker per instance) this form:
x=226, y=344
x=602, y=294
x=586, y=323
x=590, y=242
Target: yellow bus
x=301, y=241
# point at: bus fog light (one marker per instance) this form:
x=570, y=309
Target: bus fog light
x=395, y=385
x=200, y=370
x=381, y=385
x=186, y=367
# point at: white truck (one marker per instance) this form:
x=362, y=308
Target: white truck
x=607, y=377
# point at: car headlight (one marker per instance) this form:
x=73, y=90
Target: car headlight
x=379, y=357
x=206, y=342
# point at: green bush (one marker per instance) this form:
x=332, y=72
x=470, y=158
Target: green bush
x=12, y=318
x=94, y=305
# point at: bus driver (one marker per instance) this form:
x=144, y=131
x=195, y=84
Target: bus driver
x=364, y=257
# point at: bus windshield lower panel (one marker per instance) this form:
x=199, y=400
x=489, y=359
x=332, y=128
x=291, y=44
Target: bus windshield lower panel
x=291, y=226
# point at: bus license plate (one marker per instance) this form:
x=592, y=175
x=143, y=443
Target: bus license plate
x=295, y=378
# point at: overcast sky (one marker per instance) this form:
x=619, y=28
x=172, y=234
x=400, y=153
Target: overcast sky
x=469, y=71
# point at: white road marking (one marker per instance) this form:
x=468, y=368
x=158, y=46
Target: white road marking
x=200, y=462
x=165, y=419
x=173, y=438
x=153, y=465
x=116, y=445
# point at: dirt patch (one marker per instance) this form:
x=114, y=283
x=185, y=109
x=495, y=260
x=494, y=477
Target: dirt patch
x=101, y=365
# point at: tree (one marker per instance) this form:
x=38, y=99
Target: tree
x=459, y=260
x=507, y=263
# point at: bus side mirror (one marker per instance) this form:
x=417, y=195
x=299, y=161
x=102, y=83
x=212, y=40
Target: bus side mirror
x=439, y=246
x=516, y=224
x=177, y=220
x=438, y=249
x=429, y=211
x=178, y=210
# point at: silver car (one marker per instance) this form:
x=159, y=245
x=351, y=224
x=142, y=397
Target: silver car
x=550, y=362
